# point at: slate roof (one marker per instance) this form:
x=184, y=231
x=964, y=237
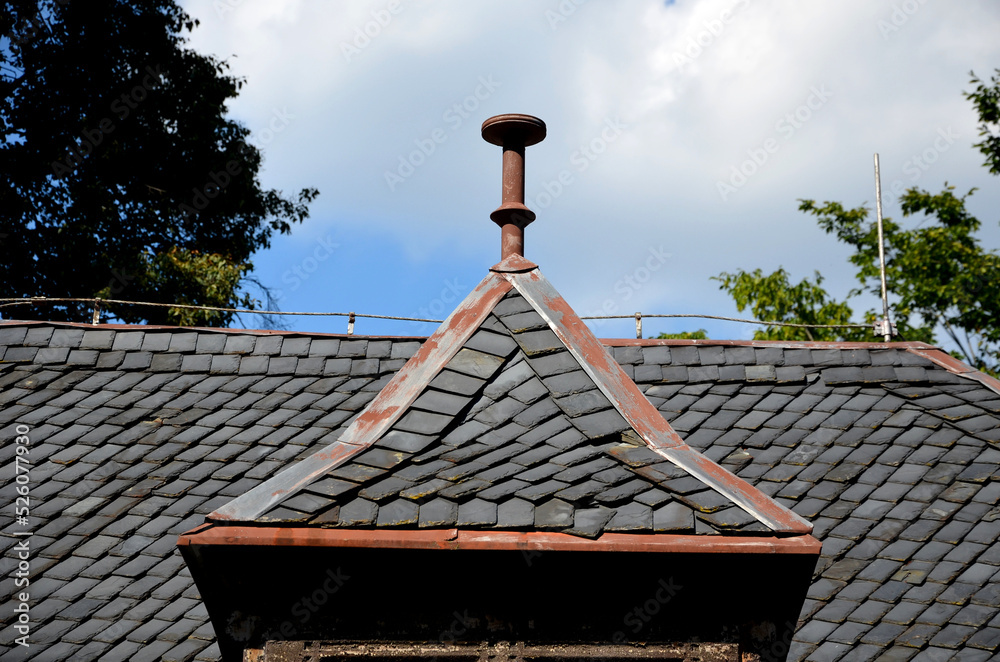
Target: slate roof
x=139, y=432
x=508, y=421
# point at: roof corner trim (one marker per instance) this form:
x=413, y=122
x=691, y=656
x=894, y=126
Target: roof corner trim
x=382, y=412
x=955, y=366
x=640, y=414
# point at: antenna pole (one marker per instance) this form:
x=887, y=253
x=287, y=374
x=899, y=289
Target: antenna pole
x=885, y=327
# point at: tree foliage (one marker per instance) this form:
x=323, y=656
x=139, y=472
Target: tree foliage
x=211, y=274
x=986, y=100
x=123, y=175
x=700, y=334
x=773, y=298
x=940, y=277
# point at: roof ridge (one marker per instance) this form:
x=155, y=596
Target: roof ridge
x=909, y=345
x=387, y=407
x=789, y=344
x=564, y=328
x=640, y=413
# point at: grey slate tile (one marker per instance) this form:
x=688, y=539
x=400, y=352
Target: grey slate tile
x=422, y=422
x=515, y=513
x=631, y=517
x=477, y=513
x=455, y=382
x=358, y=513
x=526, y=321
x=600, y=424
x=553, y=364
x=878, y=488
x=397, y=513
x=554, y=514
x=475, y=364
x=438, y=513
x=492, y=343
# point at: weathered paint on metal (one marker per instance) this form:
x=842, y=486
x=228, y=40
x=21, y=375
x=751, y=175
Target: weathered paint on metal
x=511, y=239
x=455, y=539
x=766, y=510
x=513, y=132
x=953, y=365
x=784, y=344
x=530, y=129
x=595, y=359
x=390, y=404
x=645, y=419
x=513, y=264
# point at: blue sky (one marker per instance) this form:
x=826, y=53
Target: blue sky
x=653, y=109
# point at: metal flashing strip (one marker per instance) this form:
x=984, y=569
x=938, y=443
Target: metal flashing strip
x=645, y=419
x=387, y=407
x=455, y=539
x=783, y=344
x=514, y=264
x=942, y=358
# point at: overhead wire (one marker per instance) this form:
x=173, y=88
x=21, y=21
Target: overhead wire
x=97, y=302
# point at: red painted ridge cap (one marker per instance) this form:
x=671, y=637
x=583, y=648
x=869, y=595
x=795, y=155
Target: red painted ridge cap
x=455, y=539
x=789, y=344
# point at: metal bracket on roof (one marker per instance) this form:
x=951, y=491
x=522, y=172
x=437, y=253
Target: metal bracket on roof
x=884, y=328
x=96, y=317
x=350, y=324
x=638, y=326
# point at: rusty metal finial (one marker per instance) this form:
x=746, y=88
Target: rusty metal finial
x=513, y=133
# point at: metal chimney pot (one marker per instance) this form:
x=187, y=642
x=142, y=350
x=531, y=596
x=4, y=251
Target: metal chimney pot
x=513, y=133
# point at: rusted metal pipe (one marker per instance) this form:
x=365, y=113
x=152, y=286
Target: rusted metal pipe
x=513, y=173
x=511, y=239
x=513, y=132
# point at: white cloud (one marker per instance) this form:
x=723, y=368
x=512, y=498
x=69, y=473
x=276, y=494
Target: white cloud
x=692, y=114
